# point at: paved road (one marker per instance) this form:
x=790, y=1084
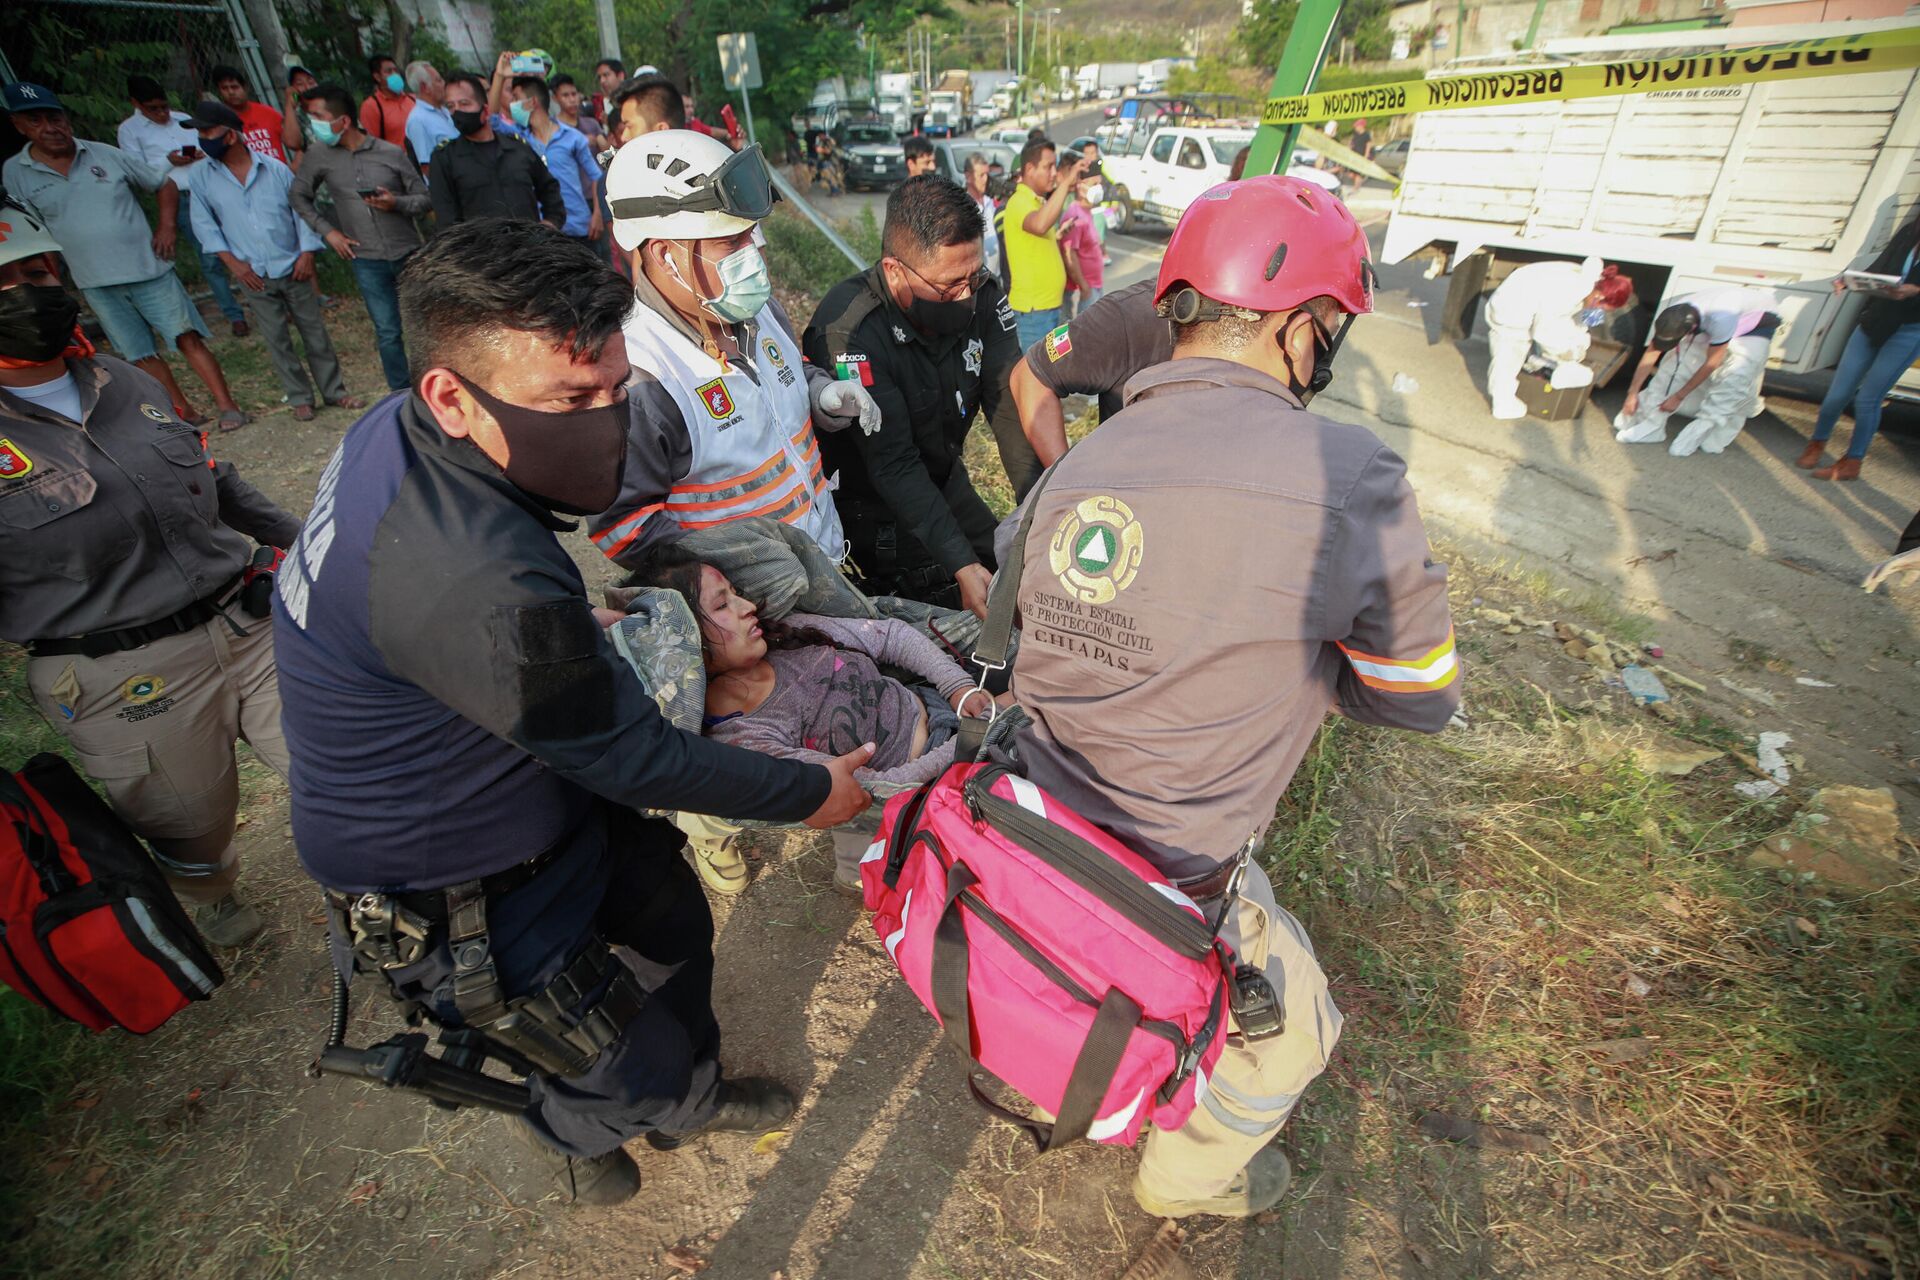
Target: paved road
x=1716, y=550
x=1740, y=547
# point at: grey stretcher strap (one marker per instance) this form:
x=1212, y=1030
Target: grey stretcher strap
x=996, y=637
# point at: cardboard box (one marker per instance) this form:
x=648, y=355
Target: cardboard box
x=1547, y=405
x=1605, y=357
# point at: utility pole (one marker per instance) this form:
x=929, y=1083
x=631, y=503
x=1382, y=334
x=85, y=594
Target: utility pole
x=609, y=29
x=1300, y=64
x=1533, y=28
x=1020, y=53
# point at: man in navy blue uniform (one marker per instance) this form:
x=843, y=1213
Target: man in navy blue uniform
x=467, y=751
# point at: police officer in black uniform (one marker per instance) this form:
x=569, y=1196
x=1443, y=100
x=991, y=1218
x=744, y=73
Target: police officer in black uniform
x=928, y=332
x=468, y=752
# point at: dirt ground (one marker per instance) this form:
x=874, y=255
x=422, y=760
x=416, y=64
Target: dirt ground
x=205, y=1151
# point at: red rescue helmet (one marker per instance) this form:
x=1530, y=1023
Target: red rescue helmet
x=1269, y=243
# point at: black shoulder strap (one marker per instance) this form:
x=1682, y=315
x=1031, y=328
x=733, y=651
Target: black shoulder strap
x=862, y=304
x=996, y=636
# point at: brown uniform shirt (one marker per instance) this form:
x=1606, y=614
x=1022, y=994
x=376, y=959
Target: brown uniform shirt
x=1207, y=575
x=120, y=519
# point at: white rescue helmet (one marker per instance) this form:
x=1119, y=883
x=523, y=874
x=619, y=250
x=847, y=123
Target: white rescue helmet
x=23, y=234
x=675, y=184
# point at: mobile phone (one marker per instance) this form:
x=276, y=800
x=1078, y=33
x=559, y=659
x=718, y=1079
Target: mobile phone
x=733, y=125
x=367, y=193
x=189, y=151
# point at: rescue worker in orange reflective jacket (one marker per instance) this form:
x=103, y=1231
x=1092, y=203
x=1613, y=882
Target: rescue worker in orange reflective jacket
x=1206, y=577
x=724, y=409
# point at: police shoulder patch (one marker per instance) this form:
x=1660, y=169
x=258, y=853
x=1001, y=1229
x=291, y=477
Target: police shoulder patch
x=1005, y=313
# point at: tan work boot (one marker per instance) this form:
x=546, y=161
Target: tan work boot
x=1812, y=456
x=1255, y=1189
x=228, y=922
x=720, y=865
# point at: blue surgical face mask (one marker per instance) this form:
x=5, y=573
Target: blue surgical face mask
x=324, y=132
x=522, y=114
x=744, y=285
x=1593, y=317
x=395, y=83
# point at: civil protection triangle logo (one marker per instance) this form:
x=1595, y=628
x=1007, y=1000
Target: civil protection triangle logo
x=714, y=396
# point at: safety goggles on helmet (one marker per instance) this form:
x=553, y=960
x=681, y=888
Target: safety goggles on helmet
x=741, y=188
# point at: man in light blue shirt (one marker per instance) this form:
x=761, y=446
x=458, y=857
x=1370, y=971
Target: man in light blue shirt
x=86, y=192
x=564, y=149
x=153, y=133
x=430, y=123
x=247, y=219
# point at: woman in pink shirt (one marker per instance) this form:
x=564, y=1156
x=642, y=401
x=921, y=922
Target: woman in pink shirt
x=1080, y=247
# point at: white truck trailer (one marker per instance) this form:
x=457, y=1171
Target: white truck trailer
x=1781, y=184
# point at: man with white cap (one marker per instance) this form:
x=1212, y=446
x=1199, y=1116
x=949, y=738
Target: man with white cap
x=1707, y=358
x=724, y=407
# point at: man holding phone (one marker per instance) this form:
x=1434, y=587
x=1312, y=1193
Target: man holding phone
x=377, y=192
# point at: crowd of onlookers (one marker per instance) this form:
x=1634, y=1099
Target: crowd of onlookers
x=259, y=191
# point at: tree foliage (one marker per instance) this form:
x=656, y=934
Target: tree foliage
x=1266, y=25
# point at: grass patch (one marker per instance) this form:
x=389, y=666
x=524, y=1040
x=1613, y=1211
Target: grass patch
x=801, y=258
x=1525, y=930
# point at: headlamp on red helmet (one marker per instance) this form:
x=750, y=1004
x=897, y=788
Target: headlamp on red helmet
x=1267, y=244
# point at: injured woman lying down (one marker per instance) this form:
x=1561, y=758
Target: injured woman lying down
x=811, y=688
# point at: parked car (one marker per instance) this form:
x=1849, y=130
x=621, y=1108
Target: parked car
x=1392, y=156
x=950, y=156
x=870, y=155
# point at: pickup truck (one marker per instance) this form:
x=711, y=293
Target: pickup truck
x=1154, y=174
x=870, y=154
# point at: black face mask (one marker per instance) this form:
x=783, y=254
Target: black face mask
x=566, y=462
x=469, y=122
x=36, y=322
x=216, y=148
x=941, y=318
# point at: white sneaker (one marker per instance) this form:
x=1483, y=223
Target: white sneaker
x=1508, y=410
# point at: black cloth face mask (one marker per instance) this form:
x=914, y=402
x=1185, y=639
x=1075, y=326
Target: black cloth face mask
x=566, y=462
x=941, y=318
x=469, y=122
x=36, y=322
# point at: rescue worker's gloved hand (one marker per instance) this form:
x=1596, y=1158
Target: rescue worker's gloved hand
x=843, y=401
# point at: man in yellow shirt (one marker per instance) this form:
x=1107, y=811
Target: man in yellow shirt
x=1030, y=239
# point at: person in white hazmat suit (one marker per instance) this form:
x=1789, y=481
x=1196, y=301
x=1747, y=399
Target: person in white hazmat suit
x=1707, y=357
x=1548, y=304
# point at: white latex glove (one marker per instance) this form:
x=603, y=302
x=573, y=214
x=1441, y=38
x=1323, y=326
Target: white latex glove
x=1905, y=562
x=847, y=400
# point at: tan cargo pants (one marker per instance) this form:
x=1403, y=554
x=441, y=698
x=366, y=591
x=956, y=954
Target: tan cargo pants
x=1255, y=1083
x=156, y=726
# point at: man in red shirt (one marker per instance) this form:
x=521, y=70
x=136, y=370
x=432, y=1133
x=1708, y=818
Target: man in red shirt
x=262, y=123
x=384, y=113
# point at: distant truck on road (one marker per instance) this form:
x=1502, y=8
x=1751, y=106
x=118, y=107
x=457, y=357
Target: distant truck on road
x=1780, y=184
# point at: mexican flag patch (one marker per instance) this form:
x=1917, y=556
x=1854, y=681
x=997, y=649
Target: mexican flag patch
x=853, y=366
x=1059, y=343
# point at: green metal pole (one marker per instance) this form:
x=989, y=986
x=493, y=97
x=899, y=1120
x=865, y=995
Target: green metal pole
x=1300, y=64
x=1533, y=28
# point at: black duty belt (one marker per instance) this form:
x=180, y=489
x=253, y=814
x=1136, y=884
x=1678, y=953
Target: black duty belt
x=432, y=903
x=1208, y=884
x=100, y=643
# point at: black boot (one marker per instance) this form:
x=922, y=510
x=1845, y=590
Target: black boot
x=750, y=1105
x=599, y=1181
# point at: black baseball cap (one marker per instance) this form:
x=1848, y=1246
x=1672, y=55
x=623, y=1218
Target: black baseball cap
x=214, y=115
x=1677, y=322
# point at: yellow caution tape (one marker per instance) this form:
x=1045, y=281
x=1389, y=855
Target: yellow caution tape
x=1897, y=50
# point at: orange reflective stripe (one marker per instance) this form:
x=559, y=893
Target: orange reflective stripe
x=1435, y=669
x=798, y=505
x=679, y=504
x=745, y=478
x=620, y=535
